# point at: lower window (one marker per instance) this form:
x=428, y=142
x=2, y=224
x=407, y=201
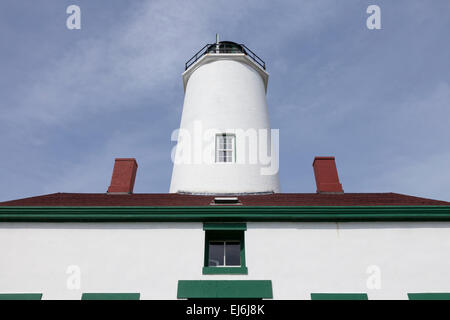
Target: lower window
x=224, y=253
x=224, y=249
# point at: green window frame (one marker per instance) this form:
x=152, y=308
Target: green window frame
x=429, y=296
x=110, y=296
x=225, y=232
x=339, y=296
x=224, y=289
x=20, y=296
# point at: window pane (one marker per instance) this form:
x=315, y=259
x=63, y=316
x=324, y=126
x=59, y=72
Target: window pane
x=225, y=148
x=233, y=253
x=216, y=253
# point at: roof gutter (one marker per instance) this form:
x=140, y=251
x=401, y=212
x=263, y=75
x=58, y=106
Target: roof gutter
x=225, y=214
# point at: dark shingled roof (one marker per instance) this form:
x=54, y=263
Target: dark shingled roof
x=172, y=199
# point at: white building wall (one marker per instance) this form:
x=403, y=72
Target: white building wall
x=299, y=258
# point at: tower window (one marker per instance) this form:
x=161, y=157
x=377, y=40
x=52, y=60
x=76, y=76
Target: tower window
x=225, y=147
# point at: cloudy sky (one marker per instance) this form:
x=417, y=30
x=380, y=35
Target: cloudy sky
x=73, y=100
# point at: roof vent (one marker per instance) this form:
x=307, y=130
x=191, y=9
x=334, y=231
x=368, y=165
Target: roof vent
x=226, y=201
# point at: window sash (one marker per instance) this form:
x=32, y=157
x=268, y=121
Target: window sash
x=225, y=145
x=224, y=253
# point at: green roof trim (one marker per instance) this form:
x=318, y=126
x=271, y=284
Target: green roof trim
x=225, y=289
x=429, y=296
x=225, y=226
x=225, y=214
x=110, y=296
x=20, y=296
x=339, y=296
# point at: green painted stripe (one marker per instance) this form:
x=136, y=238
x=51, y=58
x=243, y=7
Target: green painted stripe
x=110, y=296
x=339, y=296
x=225, y=214
x=20, y=296
x=225, y=226
x=429, y=296
x=225, y=270
x=225, y=289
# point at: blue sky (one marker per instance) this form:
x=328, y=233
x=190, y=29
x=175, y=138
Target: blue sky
x=73, y=100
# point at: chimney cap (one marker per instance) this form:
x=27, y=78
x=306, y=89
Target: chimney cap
x=126, y=159
x=323, y=158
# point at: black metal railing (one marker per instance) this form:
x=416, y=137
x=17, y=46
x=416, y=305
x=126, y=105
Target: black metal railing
x=213, y=48
x=197, y=56
x=255, y=58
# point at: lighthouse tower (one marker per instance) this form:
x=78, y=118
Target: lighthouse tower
x=225, y=143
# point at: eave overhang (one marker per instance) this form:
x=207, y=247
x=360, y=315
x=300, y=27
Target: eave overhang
x=225, y=214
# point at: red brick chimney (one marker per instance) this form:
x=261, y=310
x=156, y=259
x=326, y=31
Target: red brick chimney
x=123, y=176
x=327, y=179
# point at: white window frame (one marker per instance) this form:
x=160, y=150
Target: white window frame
x=231, y=149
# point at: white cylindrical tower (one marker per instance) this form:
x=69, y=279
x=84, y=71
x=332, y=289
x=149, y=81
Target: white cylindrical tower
x=225, y=144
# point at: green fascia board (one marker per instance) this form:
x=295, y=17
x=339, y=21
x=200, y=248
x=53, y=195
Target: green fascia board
x=429, y=296
x=225, y=270
x=225, y=289
x=110, y=296
x=225, y=214
x=339, y=296
x=20, y=296
x=225, y=226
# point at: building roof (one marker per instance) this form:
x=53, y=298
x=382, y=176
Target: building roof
x=186, y=200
